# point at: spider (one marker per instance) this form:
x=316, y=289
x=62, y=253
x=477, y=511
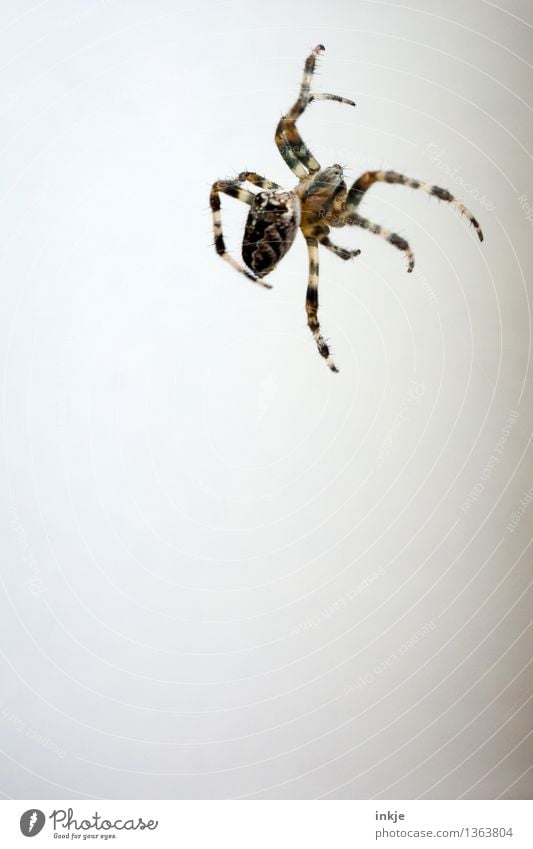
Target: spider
x=320, y=201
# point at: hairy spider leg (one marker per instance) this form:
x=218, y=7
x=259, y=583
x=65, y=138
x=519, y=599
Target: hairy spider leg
x=289, y=141
x=233, y=189
x=291, y=145
x=338, y=216
x=357, y=191
x=390, y=237
x=342, y=253
x=257, y=180
x=311, y=305
x=335, y=97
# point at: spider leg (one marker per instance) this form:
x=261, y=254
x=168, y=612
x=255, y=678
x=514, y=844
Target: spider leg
x=289, y=141
x=257, y=180
x=393, y=238
x=311, y=305
x=291, y=146
x=357, y=191
x=233, y=189
x=342, y=253
x=334, y=97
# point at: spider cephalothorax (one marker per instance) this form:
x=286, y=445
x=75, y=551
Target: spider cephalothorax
x=320, y=201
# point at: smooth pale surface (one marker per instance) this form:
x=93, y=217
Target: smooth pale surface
x=226, y=571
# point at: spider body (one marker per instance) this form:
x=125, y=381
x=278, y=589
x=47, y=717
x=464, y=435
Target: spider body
x=270, y=229
x=321, y=200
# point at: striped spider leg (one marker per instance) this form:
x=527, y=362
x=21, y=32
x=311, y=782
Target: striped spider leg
x=346, y=211
x=234, y=189
x=363, y=183
x=290, y=144
x=308, y=170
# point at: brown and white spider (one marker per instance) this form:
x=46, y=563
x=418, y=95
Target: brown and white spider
x=320, y=201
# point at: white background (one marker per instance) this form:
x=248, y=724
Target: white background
x=228, y=572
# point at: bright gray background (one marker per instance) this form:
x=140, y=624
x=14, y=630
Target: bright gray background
x=226, y=571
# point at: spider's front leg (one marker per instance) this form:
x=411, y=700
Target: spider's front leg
x=366, y=180
x=342, y=213
x=289, y=141
x=233, y=189
x=311, y=305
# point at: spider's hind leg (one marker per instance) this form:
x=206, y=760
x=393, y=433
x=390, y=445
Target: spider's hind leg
x=357, y=191
x=233, y=189
x=311, y=305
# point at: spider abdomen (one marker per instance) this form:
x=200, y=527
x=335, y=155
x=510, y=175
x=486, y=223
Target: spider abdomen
x=270, y=230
